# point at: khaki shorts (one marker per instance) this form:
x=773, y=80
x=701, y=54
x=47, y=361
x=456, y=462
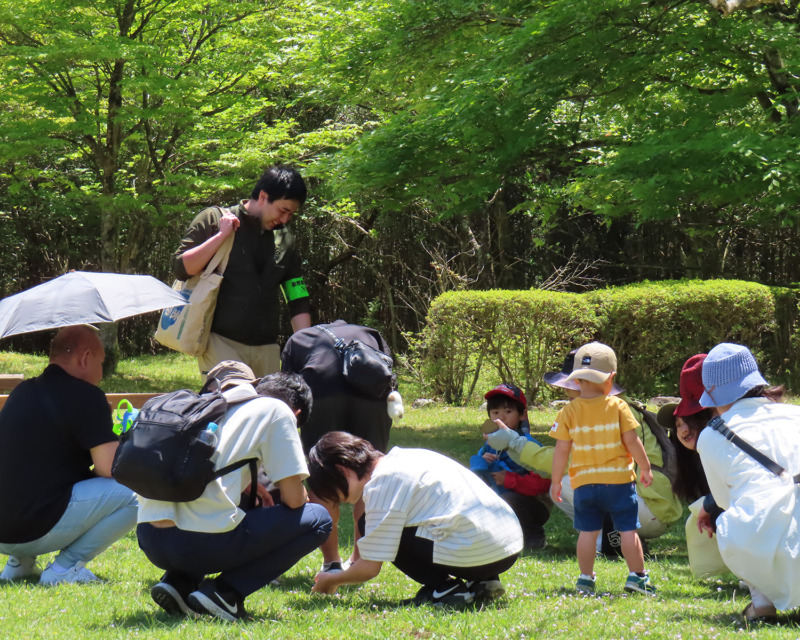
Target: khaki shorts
x=262, y=359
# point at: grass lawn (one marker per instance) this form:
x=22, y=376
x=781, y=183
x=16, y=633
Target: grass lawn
x=540, y=601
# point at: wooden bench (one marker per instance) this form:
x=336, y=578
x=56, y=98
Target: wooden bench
x=9, y=381
x=136, y=399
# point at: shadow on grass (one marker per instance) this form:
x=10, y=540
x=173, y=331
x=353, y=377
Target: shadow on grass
x=146, y=619
x=735, y=620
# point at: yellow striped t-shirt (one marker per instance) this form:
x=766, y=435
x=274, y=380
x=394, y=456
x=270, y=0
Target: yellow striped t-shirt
x=595, y=427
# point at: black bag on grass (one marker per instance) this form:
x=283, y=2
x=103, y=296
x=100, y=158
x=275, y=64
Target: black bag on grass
x=161, y=457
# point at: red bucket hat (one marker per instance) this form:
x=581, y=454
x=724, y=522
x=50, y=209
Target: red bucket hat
x=691, y=386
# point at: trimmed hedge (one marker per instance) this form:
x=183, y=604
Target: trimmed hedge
x=514, y=334
x=475, y=339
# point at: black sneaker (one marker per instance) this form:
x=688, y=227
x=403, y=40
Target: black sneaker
x=170, y=600
x=487, y=590
x=224, y=605
x=453, y=593
x=423, y=596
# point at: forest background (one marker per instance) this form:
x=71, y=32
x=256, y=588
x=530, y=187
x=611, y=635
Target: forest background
x=449, y=144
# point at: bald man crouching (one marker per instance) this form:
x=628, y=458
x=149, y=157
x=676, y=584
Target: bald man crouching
x=56, y=449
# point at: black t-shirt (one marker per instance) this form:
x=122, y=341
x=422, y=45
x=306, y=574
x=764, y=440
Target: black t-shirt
x=43, y=455
x=336, y=406
x=311, y=353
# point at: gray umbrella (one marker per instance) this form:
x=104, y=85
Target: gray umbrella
x=82, y=297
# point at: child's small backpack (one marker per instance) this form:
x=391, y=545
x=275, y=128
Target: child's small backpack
x=161, y=457
x=669, y=465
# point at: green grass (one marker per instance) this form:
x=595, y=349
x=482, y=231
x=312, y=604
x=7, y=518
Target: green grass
x=540, y=601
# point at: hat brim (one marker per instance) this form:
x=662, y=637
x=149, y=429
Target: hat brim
x=559, y=379
x=235, y=382
x=730, y=393
x=598, y=377
x=688, y=407
x=666, y=415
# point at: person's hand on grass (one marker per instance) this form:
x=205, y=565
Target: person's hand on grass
x=325, y=582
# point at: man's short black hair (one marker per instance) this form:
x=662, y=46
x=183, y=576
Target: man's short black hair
x=281, y=182
x=291, y=389
x=333, y=451
x=498, y=402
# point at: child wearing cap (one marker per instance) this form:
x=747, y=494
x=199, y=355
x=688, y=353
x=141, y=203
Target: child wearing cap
x=658, y=505
x=526, y=492
x=599, y=431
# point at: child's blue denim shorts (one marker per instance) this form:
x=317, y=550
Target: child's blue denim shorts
x=593, y=501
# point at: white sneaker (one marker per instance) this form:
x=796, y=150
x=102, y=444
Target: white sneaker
x=78, y=574
x=17, y=568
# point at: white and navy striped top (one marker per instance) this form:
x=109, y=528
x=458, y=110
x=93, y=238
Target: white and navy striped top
x=469, y=524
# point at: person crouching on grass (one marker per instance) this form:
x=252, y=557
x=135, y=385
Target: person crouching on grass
x=600, y=432
x=435, y=520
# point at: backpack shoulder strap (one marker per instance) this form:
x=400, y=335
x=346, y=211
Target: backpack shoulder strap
x=718, y=425
x=253, y=462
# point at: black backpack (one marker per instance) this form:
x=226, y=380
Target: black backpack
x=161, y=457
x=669, y=465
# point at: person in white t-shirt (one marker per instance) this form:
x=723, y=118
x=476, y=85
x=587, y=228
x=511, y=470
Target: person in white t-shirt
x=431, y=517
x=213, y=534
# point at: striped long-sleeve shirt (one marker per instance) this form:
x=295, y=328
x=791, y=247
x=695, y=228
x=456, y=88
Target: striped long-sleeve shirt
x=468, y=523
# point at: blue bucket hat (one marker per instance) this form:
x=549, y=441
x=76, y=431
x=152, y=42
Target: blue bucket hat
x=729, y=372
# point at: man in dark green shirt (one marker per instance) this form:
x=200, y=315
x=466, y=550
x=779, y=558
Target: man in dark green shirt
x=263, y=260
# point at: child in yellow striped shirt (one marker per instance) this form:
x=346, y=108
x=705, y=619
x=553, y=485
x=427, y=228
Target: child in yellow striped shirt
x=599, y=431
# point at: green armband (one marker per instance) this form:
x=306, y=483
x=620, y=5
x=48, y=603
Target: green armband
x=294, y=289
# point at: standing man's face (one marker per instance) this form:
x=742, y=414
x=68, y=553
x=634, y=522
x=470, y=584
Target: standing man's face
x=275, y=215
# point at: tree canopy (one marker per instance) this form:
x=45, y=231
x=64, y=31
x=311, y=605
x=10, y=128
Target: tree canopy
x=449, y=144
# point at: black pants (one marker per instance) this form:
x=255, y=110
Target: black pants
x=266, y=543
x=415, y=559
x=358, y=415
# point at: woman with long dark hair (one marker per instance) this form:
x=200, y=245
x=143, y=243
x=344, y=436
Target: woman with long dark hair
x=684, y=421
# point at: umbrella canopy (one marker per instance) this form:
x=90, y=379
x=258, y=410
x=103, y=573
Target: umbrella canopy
x=82, y=297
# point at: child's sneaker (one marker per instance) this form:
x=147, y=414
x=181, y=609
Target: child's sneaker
x=640, y=584
x=585, y=585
